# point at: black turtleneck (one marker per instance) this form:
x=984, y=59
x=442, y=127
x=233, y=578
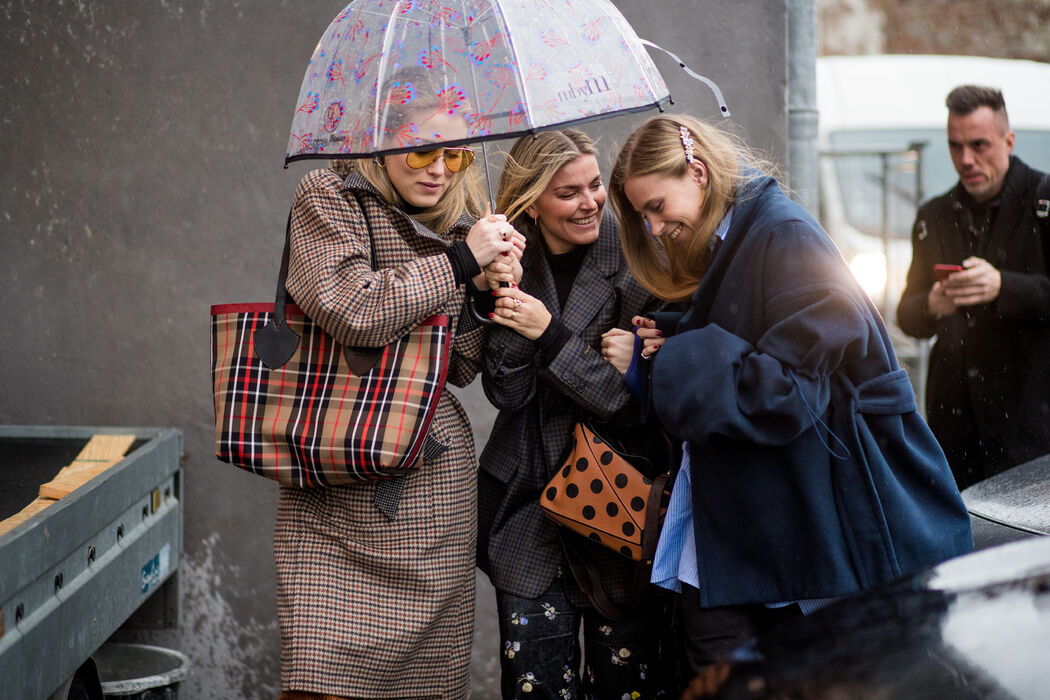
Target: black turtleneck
x=564, y=268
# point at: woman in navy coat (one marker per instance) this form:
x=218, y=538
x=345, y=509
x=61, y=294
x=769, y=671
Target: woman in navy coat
x=812, y=475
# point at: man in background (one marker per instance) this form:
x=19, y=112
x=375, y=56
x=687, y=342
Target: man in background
x=988, y=300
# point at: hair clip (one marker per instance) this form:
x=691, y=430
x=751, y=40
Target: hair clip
x=687, y=143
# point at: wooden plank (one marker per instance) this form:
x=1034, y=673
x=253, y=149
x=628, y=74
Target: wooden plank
x=99, y=454
x=25, y=514
x=105, y=447
x=68, y=481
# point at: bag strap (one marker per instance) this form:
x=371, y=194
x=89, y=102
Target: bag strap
x=588, y=580
x=650, y=538
x=587, y=577
x=281, y=297
x=275, y=342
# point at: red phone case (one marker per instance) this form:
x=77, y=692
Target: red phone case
x=942, y=271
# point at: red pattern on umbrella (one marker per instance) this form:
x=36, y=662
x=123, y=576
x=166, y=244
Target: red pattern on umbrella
x=428, y=58
x=553, y=38
x=450, y=100
x=399, y=94
x=592, y=31
x=517, y=115
x=480, y=51
x=362, y=66
x=335, y=72
x=333, y=115
x=536, y=72
x=305, y=141
x=448, y=16
x=479, y=124
x=310, y=103
x=407, y=134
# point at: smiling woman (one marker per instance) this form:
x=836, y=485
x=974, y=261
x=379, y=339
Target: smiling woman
x=569, y=210
x=779, y=378
x=550, y=362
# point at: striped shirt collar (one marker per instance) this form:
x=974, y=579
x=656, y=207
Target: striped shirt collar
x=723, y=227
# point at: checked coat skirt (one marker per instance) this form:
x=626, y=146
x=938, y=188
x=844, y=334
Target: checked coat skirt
x=540, y=399
x=373, y=607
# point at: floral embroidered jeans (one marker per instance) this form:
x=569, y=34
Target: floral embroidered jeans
x=540, y=651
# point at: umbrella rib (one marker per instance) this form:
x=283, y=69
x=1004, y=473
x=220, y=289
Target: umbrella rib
x=388, y=39
x=518, y=74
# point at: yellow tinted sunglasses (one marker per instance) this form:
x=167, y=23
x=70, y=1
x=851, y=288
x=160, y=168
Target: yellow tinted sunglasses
x=456, y=159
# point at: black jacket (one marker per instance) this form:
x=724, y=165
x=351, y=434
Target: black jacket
x=539, y=399
x=989, y=378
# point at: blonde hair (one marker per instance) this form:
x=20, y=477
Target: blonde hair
x=533, y=162
x=464, y=190
x=668, y=269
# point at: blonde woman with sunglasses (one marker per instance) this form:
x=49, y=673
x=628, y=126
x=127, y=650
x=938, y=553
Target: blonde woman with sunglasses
x=375, y=581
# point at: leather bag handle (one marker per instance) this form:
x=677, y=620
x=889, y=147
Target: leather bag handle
x=275, y=343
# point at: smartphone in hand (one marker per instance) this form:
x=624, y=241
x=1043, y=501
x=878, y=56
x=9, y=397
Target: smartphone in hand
x=942, y=271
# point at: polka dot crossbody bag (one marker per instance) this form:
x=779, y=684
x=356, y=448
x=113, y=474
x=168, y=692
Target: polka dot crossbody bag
x=601, y=495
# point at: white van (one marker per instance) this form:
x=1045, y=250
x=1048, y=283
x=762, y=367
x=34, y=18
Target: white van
x=877, y=109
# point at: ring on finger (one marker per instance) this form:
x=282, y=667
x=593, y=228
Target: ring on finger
x=517, y=302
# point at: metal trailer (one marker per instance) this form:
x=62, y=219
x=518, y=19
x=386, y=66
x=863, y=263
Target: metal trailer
x=75, y=572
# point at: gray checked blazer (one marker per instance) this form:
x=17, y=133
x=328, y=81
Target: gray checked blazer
x=539, y=400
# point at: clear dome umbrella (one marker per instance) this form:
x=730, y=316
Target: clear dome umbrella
x=385, y=71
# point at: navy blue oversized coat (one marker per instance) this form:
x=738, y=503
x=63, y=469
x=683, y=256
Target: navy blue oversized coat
x=813, y=474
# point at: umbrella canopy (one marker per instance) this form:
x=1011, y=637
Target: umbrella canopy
x=512, y=66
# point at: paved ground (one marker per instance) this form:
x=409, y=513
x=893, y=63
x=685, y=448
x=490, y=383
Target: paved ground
x=484, y=667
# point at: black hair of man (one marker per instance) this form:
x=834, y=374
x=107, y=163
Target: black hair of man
x=965, y=99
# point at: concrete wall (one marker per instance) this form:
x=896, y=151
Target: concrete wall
x=141, y=181
x=1003, y=29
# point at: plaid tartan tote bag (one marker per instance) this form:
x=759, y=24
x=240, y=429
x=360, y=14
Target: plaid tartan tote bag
x=293, y=405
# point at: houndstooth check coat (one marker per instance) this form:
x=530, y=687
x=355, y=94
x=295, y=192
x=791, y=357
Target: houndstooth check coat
x=540, y=399
x=371, y=607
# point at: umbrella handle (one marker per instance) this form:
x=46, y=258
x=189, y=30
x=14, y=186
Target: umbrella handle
x=492, y=199
x=485, y=167
x=723, y=108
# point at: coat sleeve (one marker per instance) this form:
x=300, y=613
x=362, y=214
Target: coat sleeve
x=1024, y=297
x=330, y=274
x=509, y=371
x=467, y=346
x=710, y=382
x=913, y=311
x=581, y=373
x=513, y=368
